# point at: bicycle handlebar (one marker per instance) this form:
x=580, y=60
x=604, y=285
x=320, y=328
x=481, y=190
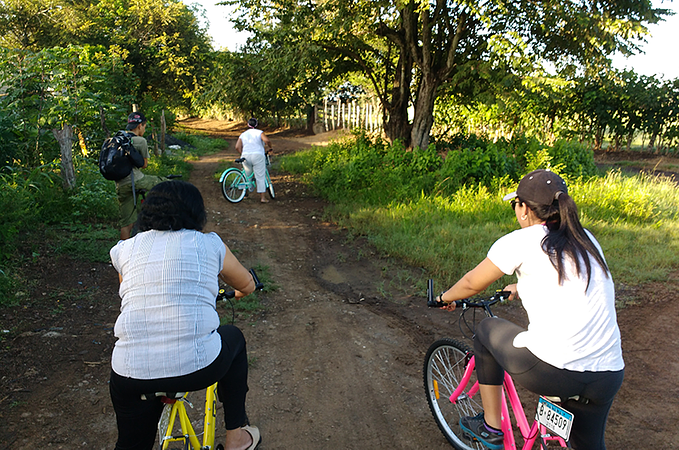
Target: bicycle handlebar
x=223, y=295
x=465, y=303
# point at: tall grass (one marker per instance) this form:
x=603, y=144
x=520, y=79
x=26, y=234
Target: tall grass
x=448, y=229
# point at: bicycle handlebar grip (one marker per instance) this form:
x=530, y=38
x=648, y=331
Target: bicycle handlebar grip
x=224, y=294
x=231, y=294
x=258, y=284
x=431, y=301
x=503, y=294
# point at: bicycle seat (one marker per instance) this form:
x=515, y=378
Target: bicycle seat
x=240, y=160
x=562, y=400
x=170, y=395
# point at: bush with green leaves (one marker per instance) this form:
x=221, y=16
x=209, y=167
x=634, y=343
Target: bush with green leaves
x=449, y=228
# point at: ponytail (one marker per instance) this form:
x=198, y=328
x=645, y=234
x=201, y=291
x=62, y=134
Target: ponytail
x=566, y=237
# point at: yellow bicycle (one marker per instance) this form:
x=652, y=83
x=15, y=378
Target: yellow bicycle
x=175, y=408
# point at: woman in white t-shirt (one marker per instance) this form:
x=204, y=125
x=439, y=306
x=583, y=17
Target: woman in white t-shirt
x=169, y=336
x=572, y=344
x=251, y=145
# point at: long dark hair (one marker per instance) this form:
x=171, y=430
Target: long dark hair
x=566, y=236
x=173, y=205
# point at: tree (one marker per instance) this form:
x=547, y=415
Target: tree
x=161, y=40
x=410, y=48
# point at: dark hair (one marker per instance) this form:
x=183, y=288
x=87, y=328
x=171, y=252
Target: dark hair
x=173, y=205
x=566, y=236
x=253, y=122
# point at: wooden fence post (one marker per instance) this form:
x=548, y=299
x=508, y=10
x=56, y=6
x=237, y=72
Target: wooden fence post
x=163, y=129
x=65, y=139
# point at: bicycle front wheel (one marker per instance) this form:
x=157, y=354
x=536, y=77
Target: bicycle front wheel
x=444, y=367
x=233, y=185
x=269, y=185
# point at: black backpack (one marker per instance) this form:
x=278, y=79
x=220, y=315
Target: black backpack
x=118, y=156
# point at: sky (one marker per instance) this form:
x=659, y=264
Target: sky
x=660, y=57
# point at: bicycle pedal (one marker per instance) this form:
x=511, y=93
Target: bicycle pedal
x=468, y=436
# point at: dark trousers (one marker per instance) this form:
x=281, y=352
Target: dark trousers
x=495, y=353
x=138, y=419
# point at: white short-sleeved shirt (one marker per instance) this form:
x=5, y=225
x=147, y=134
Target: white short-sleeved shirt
x=252, y=142
x=569, y=327
x=168, y=321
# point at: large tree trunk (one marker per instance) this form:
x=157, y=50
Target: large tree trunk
x=424, y=112
x=65, y=139
x=396, y=125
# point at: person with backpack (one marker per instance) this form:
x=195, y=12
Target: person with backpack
x=252, y=146
x=127, y=187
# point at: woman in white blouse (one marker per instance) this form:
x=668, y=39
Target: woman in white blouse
x=169, y=336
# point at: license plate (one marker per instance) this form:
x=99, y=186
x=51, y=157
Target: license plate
x=554, y=417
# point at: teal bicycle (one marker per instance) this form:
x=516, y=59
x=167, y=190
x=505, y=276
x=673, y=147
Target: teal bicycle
x=236, y=183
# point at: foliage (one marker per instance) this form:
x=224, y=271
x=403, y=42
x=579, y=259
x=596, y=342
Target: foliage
x=448, y=230
x=614, y=107
x=409, y=49
x=160, y=40
x=80, y=223
x=53, y=87
x=369, y=170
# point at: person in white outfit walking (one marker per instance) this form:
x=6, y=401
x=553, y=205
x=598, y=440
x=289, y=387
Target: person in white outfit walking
x=252, y=146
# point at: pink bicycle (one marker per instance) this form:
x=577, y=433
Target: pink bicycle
x=452, y=392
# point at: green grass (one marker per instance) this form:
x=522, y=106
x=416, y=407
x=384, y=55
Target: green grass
x=247, y=307
x=86, y=242
x=635, y=219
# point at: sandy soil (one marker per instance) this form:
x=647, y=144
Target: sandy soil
x=336, y=354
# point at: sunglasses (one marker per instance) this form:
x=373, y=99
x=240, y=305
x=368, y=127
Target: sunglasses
x=515, y=202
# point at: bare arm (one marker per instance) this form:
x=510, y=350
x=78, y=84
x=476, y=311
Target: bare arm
x=473, y=282
x=239, y=146
x=236, y=276
x=266, y=141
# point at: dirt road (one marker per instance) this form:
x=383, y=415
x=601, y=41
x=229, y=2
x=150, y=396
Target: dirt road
x=336, y=354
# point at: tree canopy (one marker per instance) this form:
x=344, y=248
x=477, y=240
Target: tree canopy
x=409, y=49
x=161, y=40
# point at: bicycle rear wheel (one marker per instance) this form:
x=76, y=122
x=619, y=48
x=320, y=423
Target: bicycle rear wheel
x=444, y=367
x=233, y=185
x=269, y=185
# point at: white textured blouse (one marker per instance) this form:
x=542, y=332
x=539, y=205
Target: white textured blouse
x=168, y=320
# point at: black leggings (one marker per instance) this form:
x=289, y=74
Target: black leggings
x=495, y=354
x=138, y=419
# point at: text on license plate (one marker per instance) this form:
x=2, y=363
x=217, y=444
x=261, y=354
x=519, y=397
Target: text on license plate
x=554, y=417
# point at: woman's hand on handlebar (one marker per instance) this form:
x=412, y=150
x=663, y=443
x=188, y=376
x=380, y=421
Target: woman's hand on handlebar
x=449, y=306
x=512, y=288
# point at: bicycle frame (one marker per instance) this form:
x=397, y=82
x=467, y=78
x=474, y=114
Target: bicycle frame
x=530, y=433
x=189, y=436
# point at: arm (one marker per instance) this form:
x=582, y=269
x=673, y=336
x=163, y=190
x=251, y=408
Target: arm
x=236, y=276
x=267, y=142
x=239, y=146
x=473, y=282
